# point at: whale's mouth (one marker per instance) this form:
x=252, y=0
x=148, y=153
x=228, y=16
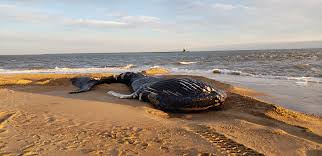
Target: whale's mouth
x=200, y=102
x=122, y=75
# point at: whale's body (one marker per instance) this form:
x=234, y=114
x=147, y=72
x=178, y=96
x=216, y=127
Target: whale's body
x=174, y=94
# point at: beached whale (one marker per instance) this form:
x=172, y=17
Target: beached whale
x=169, y=94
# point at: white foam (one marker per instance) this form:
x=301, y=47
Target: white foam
x=187, y=62
x=190, y=71
x=299, y=80
x=58, y=70
x=129, y=66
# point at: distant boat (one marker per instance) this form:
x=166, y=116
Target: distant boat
x=184, y=50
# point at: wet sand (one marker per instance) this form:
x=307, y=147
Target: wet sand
x=39, y=117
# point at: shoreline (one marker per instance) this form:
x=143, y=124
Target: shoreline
x=39, y=116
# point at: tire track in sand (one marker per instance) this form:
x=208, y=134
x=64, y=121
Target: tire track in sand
x=224, y=144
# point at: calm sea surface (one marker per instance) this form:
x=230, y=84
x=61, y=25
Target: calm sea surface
x=291, y=78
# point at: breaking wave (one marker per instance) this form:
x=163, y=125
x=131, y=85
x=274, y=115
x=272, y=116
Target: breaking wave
x=173, y=70
x=59, y=70
x=230, y=72
x=240, y=73
x=186, y=62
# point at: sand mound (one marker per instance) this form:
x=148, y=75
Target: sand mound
x=155, y=71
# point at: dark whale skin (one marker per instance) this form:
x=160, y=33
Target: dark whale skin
x=174, y=94
x=182, y=95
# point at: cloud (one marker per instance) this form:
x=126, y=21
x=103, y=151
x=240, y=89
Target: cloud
x=140, y=19
x=4, y=6
x=93, y=22
x=12, y=12
x=225, y=7
x=229, y=7
x=21, y=14
x=120, y=22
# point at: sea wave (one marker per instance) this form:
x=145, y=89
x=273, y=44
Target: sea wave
x=128, y=66
x=60, y=70
x=174, y=70
x=231, y=72
x=186, y=62
x=210, y=73
x=303, y=66
x=293, y=78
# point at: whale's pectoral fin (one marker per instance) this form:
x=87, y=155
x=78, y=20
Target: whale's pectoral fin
x=122, y=96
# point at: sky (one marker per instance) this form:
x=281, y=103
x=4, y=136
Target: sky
x=83, y=26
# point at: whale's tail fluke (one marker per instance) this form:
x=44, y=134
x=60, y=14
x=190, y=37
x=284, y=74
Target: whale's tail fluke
x=86, y=83
x=83, y=83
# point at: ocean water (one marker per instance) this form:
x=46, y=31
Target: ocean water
x=291, y=78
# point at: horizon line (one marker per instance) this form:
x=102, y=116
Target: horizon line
x=189, y=51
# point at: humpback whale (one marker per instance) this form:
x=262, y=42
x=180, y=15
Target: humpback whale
x=168, y=94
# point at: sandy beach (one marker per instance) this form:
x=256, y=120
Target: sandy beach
x=39, y=117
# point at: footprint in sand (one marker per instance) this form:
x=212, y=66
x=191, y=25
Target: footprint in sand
x=23, y=118
x=129, y=136
x=157, y=113
x=48, y=119
x=127, y=139
x=314, y=152
x=4, y=116
x=165, y=115
x=28, y=150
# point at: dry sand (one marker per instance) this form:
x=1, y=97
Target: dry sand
x=39, y=117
